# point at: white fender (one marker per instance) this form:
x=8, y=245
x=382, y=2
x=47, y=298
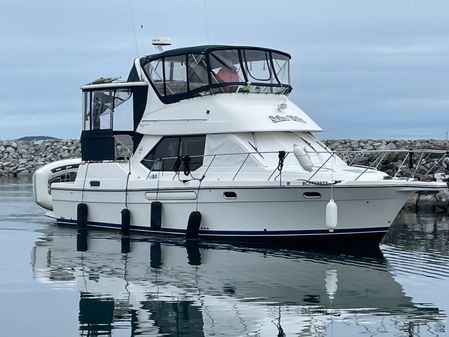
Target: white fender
x=331, y=215
x=43, y=175
x=302, y=157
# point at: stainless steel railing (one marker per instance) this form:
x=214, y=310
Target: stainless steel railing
x=411, y=164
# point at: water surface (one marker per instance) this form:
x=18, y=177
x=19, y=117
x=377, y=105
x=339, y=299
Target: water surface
x=58, y=281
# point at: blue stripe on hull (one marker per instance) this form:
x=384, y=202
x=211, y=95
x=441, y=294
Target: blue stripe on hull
x=376, y=233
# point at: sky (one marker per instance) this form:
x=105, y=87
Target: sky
x=360, y=69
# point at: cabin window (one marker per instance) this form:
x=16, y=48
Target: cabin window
x=156, y=72
x=102, y=107
x=86, y=109
x=175, y=75
x=281, y=67
x=101, y=113
x=164, y=154
x=257, y=66
x=225, y=67
x=197, y=72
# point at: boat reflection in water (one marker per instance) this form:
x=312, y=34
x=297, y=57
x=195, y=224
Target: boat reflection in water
x=146, y=286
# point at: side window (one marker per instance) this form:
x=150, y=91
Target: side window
x=257, y=66
x=159, y=157
x=164, y=154
x=197, y=71
x=156, y=71
x=175, y=75
x=102, y=107
x=281, y=66
x=193, y=146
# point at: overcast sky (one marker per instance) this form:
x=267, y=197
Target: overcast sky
x=360, y=69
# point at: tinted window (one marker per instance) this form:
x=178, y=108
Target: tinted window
x=163, y=156
x=194, y=147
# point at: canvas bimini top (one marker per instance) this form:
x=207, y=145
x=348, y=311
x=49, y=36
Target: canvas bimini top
x=184, y=73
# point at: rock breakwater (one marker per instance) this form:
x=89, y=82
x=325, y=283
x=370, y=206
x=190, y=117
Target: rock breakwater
x=23, y=157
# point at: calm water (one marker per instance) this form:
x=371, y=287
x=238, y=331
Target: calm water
x=56, y=281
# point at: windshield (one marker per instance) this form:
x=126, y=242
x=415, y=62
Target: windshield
x=190, y=74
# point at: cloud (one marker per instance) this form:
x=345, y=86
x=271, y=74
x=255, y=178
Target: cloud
x=353, y=60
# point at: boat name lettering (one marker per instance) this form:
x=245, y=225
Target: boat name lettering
x=311, y=183
x=288, y=118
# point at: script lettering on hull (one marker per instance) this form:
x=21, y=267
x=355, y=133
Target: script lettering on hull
x=287, y=118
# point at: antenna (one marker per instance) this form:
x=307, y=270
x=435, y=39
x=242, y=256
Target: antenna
x=206, y=21
x=134, y=29
x=159, y=42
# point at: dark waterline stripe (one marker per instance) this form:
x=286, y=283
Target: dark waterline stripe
x=235, y=233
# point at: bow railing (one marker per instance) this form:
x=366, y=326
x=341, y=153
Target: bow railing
x=419, y=164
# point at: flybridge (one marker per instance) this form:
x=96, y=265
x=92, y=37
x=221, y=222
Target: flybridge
x=197, y=71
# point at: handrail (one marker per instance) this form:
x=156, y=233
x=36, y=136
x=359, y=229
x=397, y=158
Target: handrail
x=243, y=163
x=331, y=156
x=437, y=163
x=381, y=156
x=130, y=152
x=402, y=164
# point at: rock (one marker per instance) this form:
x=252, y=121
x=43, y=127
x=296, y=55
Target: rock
x=23, y=173
x=391, y=146
x=10, y=150
x=442, y=200
x=23, y=157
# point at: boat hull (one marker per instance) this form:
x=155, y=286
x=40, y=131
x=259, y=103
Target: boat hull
x=313, y=239
x=271, y=214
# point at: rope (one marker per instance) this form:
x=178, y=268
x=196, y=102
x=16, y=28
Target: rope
x=281, y=157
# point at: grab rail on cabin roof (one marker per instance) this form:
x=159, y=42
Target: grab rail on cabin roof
x=397, y=163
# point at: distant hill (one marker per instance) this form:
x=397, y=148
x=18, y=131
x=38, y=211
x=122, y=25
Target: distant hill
x=28, y=138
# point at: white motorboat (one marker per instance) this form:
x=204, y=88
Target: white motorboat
x=204, y=142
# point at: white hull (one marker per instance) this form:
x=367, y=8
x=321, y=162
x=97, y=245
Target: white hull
x=257, y=212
